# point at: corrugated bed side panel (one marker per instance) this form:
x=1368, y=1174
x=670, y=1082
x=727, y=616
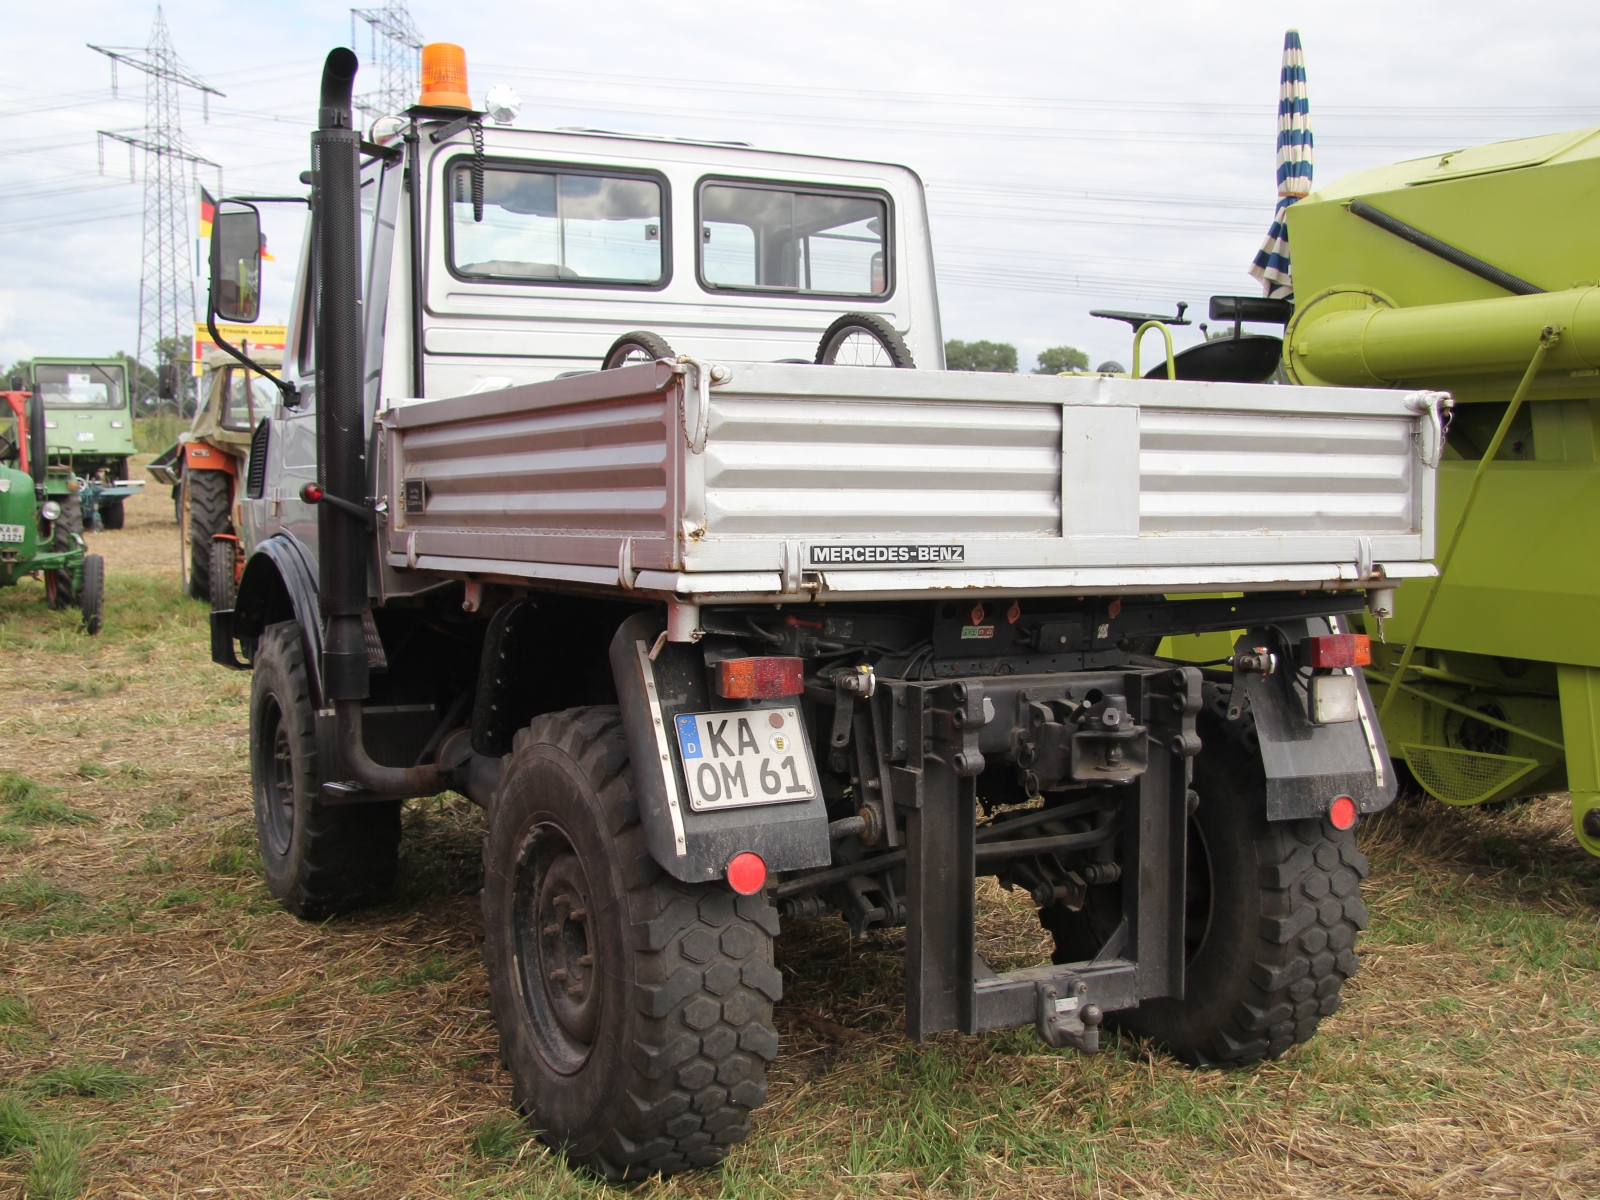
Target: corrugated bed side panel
x=598, y=468
x=1230, y=472
x=792, y=468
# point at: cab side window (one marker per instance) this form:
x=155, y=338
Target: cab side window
x=767, y=237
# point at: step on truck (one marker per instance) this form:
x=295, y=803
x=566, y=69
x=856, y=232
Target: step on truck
x=576, y=500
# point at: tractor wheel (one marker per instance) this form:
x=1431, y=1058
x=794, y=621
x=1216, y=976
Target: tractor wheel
x=318, y=859
x=224, y=571
x=58, y=589
x=92, y=596
x=205, y=513
x=112, y=513
x=1274, y=908
x=177, y=504
x=68, y=523
x=634, y=1011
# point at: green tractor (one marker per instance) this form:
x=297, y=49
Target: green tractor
x=34, y=540
x=88, y=420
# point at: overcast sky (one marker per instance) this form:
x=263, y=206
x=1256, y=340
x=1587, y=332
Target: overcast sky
x=1076, y=155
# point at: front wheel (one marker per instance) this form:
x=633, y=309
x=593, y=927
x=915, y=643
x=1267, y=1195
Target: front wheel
x=634, y=1011
x=318, y=859
x=204, y=514
x=92, y=596
x=1273, y=910
x=224, y=574
x=112, y=514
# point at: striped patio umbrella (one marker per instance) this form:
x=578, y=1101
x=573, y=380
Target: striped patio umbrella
x=1294, y=169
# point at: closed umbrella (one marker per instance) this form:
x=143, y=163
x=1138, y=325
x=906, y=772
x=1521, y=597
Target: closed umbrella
x=1294, y=169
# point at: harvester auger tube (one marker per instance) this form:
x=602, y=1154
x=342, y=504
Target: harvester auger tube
x=342, y=536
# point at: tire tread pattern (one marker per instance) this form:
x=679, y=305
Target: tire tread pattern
x=208, y=514
x=704, y=982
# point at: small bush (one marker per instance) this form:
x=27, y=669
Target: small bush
x=14, y=1011
x=56, y=1172
x=499, y=1137
x=17, y=1126
x=83, y=1079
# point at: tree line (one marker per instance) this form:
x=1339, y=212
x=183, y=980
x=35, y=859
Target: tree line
x=1002, y=357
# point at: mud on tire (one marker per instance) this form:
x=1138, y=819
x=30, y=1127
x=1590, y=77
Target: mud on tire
x=1274, y=908
x=635, y=1011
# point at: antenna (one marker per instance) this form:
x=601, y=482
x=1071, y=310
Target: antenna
x=166, y=283
x=395, y=45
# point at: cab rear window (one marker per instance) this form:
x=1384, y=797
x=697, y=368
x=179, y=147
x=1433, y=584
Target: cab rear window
x=772, y=238
x=551, y=226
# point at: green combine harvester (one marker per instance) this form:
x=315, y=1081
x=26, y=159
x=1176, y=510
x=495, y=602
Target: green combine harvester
x=1478, y=273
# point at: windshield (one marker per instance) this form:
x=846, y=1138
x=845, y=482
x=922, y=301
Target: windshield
x=547, y=227
x=246, y=399
x=79, y=385
x=776, y=239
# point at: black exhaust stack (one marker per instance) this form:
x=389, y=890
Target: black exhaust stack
x=341, y=450
x=343, y=537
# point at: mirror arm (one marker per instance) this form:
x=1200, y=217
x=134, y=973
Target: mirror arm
x=290, y=393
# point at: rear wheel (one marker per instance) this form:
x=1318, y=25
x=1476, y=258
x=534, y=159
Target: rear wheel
x=632, y=349
x=863, y=340
x=1273, y=911
x=224, y=564
x=204, y=514
x=92, y=595
x=112, y=514
x=634, y=1011
x=318, y=859
x=68, y=523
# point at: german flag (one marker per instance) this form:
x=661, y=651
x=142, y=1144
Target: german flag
x=208, y=211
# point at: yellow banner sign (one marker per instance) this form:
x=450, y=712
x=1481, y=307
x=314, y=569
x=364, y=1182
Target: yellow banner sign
x=258, y=337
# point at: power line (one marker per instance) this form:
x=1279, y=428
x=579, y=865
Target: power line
x=166, y=282
x=395, y=44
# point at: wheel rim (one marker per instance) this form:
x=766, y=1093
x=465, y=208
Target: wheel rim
x=275, y=769
x=858, y=348
x=555, y=928
x=631, y=356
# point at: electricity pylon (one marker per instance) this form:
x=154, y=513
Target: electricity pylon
x=395, y=43
x=166, y=284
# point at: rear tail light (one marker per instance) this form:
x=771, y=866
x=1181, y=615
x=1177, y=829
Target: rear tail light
x=1339, y=650
x=747, y=873
x=1342, y=813
x=760, y=678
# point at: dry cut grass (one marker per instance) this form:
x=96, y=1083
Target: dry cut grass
x=166, y=1030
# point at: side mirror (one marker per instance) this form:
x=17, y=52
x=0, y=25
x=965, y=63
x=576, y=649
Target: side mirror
x=236, y=262
x=167, y=381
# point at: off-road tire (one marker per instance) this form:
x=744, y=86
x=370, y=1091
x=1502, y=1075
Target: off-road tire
x=1274, y=910
x=112, y=514
x=869, y=325
x=638, y=345
x=92, y=595
x=205, y=514
x=177, y=503
x=678, y=991
x=318, y=859
x=224, y=588
x=68, y=523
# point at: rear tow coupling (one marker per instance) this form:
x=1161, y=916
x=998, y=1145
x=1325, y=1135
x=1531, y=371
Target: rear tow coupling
x=1068, y=1020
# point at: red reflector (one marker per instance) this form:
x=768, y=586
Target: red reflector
x=1339, y=650
x=747, y=874
x=1342, y=812
x=760, y=678
x=311, y=493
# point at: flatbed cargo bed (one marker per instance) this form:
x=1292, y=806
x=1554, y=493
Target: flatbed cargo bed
x=802, y=482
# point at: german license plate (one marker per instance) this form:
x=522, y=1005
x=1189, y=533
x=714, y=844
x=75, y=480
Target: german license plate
x=12, y=533
x=752, y=756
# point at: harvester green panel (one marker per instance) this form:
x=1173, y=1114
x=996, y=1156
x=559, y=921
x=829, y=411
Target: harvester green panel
x=1504, y=696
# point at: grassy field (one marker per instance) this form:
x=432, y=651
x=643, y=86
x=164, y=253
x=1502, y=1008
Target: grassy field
x=166, y=1030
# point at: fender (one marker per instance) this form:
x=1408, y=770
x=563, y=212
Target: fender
x=279, y=584
x=696, y=846
x=1308, y=765
x=197, y=456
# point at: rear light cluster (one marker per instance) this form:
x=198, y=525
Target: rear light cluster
x=1342, y=813
x=763, y=678
x=1338, y=650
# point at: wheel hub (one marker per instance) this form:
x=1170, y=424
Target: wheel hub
x=565, y=944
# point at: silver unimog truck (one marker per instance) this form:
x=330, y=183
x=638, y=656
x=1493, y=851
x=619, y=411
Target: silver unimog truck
x=615, y=483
